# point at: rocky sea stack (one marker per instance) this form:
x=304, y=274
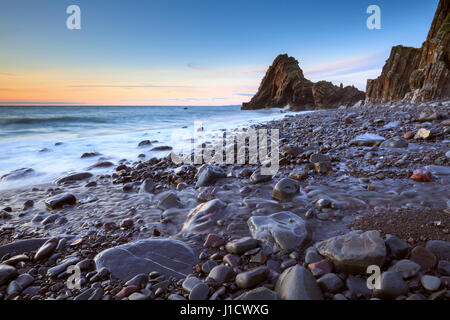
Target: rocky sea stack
x=284, y=84
x=417, y=75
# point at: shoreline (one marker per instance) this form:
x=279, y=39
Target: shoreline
x=353, y=184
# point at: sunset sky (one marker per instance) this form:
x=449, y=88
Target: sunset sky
x=197, y=52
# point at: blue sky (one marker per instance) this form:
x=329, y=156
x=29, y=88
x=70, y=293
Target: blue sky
x=192, y=52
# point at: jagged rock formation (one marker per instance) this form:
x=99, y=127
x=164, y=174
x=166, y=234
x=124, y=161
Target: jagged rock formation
x=417, y=75
x=284, y=84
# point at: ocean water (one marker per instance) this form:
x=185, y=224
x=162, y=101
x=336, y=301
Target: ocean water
x=51, y=140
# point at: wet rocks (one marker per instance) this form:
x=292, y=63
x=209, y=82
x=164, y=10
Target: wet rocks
x=205, y=215
x=396, y=142
x=396, y=247
x=424, y=258
x=7, y=273
x=147, y=186
x=284, y=229
x=406, y=268
x=17, y=174
x=355, y=251
x=423, y=134
x=221, y=274
x=257, y=177
x=168, y=257
x=392, y=286
x=240, y=246
x=251, y=278
x=421, y=175
x=73, y=177
x=207, y=175
x=214, y=241
x=259, y=294
x=169, y=200
x=368, y=140
x=297, y=283
x=60, y=200
x=101, y=164
x=46, y=249
x=144, y=143
x=430, y=283
x=441, y=249
x=199, y=292
x=90, y=155
x=330, y=283
x=285, y=189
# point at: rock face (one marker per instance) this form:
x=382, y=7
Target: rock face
x=355, y=251
x=168, y=257
x=284, y=84
x=416, y=75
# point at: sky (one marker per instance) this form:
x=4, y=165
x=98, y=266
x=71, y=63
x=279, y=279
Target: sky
x=191, y=52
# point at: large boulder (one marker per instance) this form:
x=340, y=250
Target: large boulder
x=354, y=251
x=170, y=258
x=298, y=283
x=284, y=230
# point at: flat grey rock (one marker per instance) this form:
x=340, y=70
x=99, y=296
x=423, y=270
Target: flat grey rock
x=297, y=283
x=171, y=258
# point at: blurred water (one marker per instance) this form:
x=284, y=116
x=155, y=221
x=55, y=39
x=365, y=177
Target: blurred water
x=28, y=134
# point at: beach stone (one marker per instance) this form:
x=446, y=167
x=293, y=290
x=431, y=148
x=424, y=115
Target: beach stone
x=199, y=292
x=430, y=283
x=204, y=216
x=424, y=258
x=73, y=177
x=251, y=278
x=330, y=283
x=259, y=294
x=89, y=155
x=358, y=287
x=325, y=265
x=101, y=164
x=406, y=268
x=58, y=201
x=441, y=249
x=144, y=143
x=169, y=200
x=22, y=246
x=162, y=148
x=428, y=116
x=319, y=157
x=175, y=296
x=17, y=174
x=284, y=229
x=285, y=189
x=46, y=249
x=312, y=256
x=240, y=246
x=232, y=260
x=214, y=241
x=208, y=175
x=137, y=296
x=421, y=175
x=55, y=271
x=444, y=267
x=423, y=134
x=147, y=186
x=7, y=273
x=221, y=274
x=140, y=280
x=127, y=291
x=171, y=258
x=395, y=142
x=208, y=266
x=297, y=283
x=190, y=283
x=257, y=177
x=367, y=139
x=396, y=247
x=14, y=288
x=354, y=251
x=391, y=286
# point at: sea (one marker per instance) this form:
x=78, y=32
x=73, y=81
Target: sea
x=51, y=139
